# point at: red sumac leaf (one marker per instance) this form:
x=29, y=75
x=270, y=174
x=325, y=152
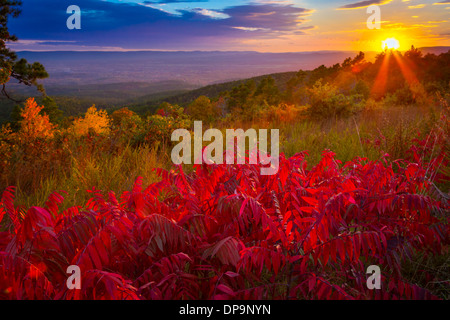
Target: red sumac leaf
x=225, y=289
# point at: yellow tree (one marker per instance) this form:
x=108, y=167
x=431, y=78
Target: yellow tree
x=94, y=120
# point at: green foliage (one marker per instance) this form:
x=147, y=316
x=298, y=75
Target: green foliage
x=248, y=99
x=52, y=110
x=326, y=102
x=157, y=129
x=126, y=124
x=293, y=84
x=322, y=72
x=362, y=88
x=267, y=92
x=204, y=110
x=239, y=97
x=24, y=72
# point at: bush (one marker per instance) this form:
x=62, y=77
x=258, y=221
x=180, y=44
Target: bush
x=34, y=125
x=158, y=128
x=203, y=109
x=126, y=124
x=94, y=121
x=285, y=113
x=227, y=232
x=326, y=102
x=34, y=152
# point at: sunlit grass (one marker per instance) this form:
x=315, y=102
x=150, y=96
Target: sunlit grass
x=104, y=172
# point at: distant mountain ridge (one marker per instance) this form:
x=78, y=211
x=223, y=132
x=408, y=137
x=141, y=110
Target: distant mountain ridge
x=434, y=50
x=199, y=68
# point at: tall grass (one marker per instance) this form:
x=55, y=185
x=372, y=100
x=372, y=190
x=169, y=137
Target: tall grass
x=370, y=134
x=102, y=171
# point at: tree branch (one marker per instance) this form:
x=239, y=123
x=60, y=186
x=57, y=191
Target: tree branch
x=8, y=96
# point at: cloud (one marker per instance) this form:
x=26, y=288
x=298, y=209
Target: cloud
x=172, y=1
x=211, y=13
x=418, y=6
x=142, y=26
x=364, y=4
x=277, y=18
x=250, y=29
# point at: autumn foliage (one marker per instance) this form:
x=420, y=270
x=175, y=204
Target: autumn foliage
x=96, y=121
x=33, y=124
x=226, y=232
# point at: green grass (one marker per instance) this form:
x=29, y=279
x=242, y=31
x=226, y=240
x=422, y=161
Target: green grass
x=105, y=172
x=431, y=272
x=348, y=138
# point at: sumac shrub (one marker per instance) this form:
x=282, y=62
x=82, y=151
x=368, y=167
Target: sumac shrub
x=226, y=232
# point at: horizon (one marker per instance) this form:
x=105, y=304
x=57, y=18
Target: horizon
x=224, y=51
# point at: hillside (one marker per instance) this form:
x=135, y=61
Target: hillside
x=151, y=102
x=143, y=79
x=74, y=100
x=107, y=79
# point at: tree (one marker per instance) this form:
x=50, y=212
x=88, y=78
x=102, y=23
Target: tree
x=10, y=66
x=203, y=109
x=294, y=83
x=126, y=123
x=51, y=108
x=33, y=124
x=267, y=92
x=124, y=117
x=95, y=121
x=239, y=96
x=326, y=102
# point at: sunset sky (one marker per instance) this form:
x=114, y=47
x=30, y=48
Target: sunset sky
x=264, y=25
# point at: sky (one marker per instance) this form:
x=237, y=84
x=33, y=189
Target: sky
x=232, y=25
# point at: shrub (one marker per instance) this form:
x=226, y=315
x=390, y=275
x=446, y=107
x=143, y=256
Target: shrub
x=326, y=102
x=285, y=113
x=158, y=128
x=34, y=125
x=226, y=232
x=34, y=152
x=126, y=124
x=94, y=121
x=203, y=109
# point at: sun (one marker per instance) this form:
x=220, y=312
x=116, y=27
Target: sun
x=390, y=43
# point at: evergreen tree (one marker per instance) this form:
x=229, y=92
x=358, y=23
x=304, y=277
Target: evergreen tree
x=10, y=65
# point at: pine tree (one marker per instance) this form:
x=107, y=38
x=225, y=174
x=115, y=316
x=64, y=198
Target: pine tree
x=10, y=65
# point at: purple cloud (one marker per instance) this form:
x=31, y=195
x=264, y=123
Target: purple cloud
x=134, y=26
x=364, y=4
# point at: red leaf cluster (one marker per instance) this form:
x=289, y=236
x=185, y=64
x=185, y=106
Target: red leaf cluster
x=226, y=232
